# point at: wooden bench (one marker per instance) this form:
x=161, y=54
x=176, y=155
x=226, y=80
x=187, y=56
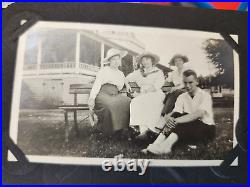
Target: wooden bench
x=76, y=89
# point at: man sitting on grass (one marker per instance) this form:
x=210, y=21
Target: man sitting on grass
x=190, y=121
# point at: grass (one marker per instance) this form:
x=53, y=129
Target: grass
x=41, y=132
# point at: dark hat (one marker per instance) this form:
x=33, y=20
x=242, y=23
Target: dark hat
x=183, y=57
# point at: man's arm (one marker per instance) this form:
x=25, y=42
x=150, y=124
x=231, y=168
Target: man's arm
x=172, y=122
x=204, y=108
x=190, y=117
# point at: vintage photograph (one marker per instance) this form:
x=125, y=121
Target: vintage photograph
x=85, y=92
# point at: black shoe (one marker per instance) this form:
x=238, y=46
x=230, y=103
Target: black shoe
x=143, y=136
x=133, y=131
x=152, y=136
x=120, y=135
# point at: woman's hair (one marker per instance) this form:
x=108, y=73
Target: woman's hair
x=143, y=71
x=183, y=57
x=141, y=67
x=154, y=62
x=190, y=72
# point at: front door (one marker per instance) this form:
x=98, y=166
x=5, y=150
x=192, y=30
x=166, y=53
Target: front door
x=53, y=91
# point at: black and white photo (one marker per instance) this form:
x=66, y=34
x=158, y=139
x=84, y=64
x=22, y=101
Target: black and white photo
x=88, y=92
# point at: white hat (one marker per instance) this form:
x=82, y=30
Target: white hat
x=113, y=52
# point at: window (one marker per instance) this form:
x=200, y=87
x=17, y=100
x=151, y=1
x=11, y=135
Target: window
x=59, y=46
x=90, y=51
x=127, y=64
x=30, y=55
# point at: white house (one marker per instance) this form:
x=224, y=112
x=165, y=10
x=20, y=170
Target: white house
x=54, y=58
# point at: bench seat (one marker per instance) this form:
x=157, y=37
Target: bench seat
x=74, y=107
x=76, y=89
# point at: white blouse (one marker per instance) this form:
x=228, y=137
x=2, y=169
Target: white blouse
x=155, y=79
x=104, y=76
x=177, y=79
x=202, y=100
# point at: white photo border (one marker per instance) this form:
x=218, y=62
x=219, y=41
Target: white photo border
x=16, y=94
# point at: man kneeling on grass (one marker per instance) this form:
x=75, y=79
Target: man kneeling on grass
x=190, y=121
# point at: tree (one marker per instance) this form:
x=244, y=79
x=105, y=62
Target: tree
x=220, y=53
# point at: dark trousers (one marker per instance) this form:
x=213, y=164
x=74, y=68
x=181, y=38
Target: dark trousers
x=194, y=131
x=169, y=101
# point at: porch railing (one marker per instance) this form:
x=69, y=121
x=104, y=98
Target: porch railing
x=88, y=67
x=58, y=66
x=30, y=67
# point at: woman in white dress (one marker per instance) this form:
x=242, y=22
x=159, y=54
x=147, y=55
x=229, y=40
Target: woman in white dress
x=146, y=107
x=111, y=108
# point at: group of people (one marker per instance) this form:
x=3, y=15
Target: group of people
x=183, y=114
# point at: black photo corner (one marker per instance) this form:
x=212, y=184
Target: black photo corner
x=223, y=22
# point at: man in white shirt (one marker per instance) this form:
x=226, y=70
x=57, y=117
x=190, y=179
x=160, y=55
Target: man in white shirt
x=190, y=121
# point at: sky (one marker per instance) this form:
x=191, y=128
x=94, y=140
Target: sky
x=167, y=44
x=164, y=42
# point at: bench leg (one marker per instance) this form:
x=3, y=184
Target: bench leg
x=66, y=126
x=75, y=123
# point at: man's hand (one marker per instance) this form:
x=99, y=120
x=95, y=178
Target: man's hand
x=169, y=126
x=170, y=122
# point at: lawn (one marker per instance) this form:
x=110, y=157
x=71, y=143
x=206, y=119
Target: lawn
x=41, y=132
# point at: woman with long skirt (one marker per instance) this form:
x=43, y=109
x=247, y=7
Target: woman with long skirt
x=111, y=108
x=146, y=107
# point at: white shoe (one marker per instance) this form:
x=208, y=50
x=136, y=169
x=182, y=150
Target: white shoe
x=160, y=139
x=144, y=151
x=158, y=149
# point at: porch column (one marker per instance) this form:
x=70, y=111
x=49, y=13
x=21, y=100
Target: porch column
x=39, y=55
x=102, y=53
x=134, y=63
x=77, y=54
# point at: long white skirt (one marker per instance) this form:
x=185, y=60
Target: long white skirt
x=145, y=110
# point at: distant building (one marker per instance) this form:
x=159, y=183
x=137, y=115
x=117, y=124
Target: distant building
x=56, y=58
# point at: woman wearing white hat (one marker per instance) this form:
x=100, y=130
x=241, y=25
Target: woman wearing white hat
x=111, y=108
x=146, y=107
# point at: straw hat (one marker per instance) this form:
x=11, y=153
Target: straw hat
x=155, y=57
x=183, y=57
x=113, y=52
